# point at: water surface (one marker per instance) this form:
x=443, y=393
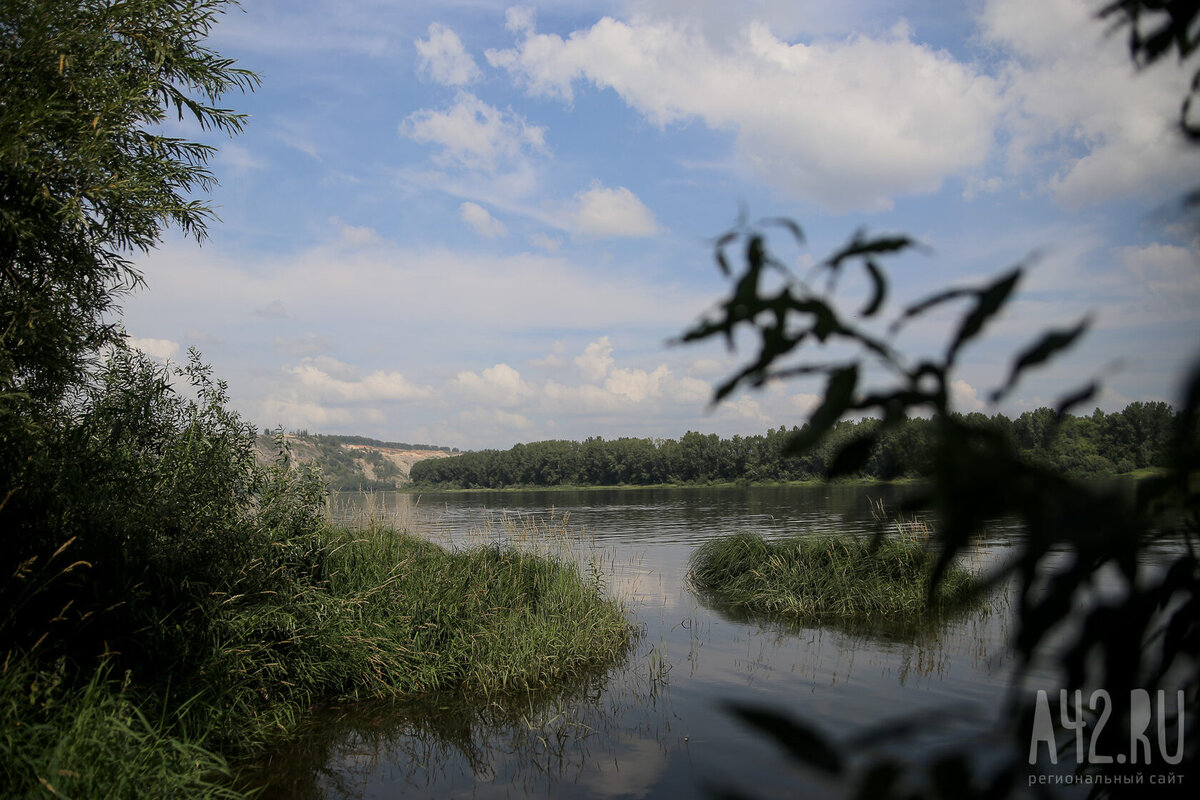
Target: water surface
x=659, y=725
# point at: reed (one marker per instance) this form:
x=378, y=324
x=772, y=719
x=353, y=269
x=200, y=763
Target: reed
x=824, y=577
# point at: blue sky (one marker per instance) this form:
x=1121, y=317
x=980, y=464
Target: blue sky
x=473, y=223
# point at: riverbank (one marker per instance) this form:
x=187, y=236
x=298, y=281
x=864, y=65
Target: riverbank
x=387, y=613
x=419, y=489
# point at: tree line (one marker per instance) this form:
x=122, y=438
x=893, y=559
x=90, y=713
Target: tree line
x=1085, y=446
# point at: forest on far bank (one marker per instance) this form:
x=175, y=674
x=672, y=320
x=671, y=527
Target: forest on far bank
x=1087, y=446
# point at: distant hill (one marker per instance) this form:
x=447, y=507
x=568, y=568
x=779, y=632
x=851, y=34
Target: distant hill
x=355, y=462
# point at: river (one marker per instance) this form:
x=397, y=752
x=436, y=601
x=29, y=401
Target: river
x=660, y=724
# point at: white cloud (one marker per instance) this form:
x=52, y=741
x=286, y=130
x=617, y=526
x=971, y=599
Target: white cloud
x=475, y=135
x=1163, y=267
x=296, y=414
x=330, y=380
x=847, y=124
x=596, y=359
x=1077, y=104
x=484, y=223
x=520, y=19
x=965, y=397
x=499, y=384
x=355, y=235
x=239, y=158
x=162, y=349
x=745, y=407
x=602, y=211
x=443, y=58
x=637, y=384
x=552, y=360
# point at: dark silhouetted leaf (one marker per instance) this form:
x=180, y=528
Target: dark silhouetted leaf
x=880, y=289
x=859, y=245
x=801, y=742
x=1074, y=399
x=990, y=301
x=853, y=455
x=952, y=778
x=879, y=781
x=794, y=227
x=1050, y=343
x=919, y=308
x=839, y=394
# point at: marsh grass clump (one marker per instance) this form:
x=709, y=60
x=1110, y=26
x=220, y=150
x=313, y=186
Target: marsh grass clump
x=397, y=614
x=846, y=579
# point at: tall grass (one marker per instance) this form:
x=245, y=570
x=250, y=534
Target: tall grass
x=94, y=741
x=823, y=577
x=394, y=613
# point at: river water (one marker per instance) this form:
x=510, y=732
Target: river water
x=660, y=724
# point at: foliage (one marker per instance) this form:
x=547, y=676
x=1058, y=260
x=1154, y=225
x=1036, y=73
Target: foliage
x=1148, y=640
x=1097, y=445
x=87, y=179
x=366, y=440
x=85, y=174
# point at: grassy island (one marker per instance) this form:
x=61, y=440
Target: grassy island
x=383, y=613
x=845, y=579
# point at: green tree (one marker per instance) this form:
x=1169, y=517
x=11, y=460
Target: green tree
x=87, y=180
x=86, y=175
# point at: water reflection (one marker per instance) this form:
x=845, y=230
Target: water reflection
x=657, y=725
x=443, y=744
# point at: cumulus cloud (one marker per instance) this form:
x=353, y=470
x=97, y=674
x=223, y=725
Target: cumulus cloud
x=499, y=384
x=848, y=124
x=443, y=58
x=602, y=388
x=1075, y=102
x=596, y=359
x=496, y=418
x=484, y=223
x=601, y=211
x=162, y=349
x=301, y=415
x=965, y=397
x=475, y=135
x=330, y=380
